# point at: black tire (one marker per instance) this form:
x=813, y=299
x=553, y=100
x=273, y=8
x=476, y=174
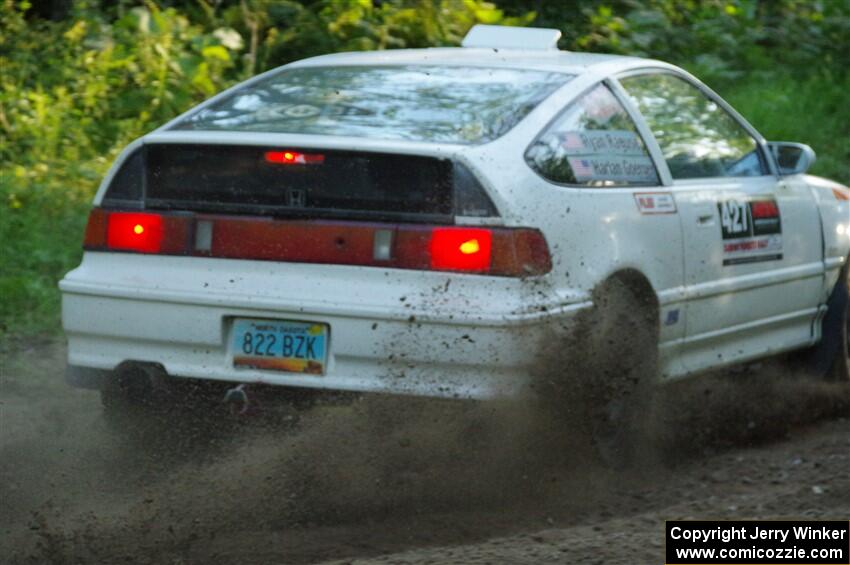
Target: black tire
x=830, y=359
x=623, y=340
x=131, y=395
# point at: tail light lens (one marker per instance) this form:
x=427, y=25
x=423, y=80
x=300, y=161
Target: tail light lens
x=512, y=252
x=461, y=249
x=135, y=232
x=140, y=232
x=289, y=157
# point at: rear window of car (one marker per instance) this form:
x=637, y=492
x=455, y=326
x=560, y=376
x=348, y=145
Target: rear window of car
x=463, y=105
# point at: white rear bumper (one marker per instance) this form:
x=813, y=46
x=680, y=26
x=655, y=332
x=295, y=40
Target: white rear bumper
x=432, y=334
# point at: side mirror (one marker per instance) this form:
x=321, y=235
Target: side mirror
x=792, y=158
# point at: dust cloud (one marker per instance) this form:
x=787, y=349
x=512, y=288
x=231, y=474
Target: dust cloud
x=338, y=478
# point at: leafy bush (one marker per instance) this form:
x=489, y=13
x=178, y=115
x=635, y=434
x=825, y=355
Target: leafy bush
x=720, y=38
x=79, y=79
x=74, y=92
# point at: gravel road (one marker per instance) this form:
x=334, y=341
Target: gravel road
x=384, y=480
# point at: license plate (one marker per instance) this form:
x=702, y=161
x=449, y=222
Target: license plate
x=277, y=345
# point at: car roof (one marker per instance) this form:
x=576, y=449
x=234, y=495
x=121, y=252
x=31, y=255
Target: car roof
x=536, y=59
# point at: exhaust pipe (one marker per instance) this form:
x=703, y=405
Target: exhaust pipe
x=237, y=399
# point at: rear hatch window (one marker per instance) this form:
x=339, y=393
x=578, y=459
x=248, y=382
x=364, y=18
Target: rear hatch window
x=297, y=183
x=459, y=105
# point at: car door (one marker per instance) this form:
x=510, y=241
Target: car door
x=753, y=257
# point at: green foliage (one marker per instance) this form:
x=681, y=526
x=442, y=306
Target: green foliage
x=812, y=110
x=74, y=92
x=79, y=79
x=721, y=38
x=280, y=31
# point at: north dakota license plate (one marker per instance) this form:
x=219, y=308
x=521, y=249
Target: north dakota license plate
x=278, y=345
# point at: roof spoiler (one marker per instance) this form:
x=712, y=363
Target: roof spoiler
x=508, y=37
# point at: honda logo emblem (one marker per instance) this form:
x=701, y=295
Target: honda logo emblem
x=297, y=198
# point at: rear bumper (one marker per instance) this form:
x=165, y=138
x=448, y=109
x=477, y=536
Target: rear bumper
x=470, y=352
x=366, y=354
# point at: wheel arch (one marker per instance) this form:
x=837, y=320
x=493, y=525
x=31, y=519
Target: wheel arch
x=632, y=279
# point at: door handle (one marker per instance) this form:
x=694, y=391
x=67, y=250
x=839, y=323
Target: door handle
x=705, y=219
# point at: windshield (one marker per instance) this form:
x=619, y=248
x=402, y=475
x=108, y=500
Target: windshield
x=465, y=105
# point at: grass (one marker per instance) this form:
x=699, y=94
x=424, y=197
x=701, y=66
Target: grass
x=43, y=213
x=814, y=111
x=41, y=239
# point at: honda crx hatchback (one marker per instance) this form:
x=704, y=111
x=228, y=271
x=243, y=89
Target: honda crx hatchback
x=440, y=221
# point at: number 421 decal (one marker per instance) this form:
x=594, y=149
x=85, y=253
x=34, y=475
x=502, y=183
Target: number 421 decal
x=751, y=230
x=749, y=217
x=734, y=218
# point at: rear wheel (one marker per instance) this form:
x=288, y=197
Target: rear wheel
x=623, y=348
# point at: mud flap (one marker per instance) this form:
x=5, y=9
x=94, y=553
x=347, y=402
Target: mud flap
x=823, y=354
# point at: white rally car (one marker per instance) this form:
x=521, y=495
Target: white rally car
x=440, y=221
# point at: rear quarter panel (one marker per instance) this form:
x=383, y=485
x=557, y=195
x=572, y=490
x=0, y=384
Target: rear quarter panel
x=592, y=232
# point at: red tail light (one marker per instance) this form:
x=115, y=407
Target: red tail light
x=134, y=232
x=461, y=249
x=294, y=158
x=512, y=252
x=95, y=237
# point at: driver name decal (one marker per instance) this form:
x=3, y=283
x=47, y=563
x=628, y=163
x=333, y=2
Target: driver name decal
x=601, y=142
x=751, y=230
x=613, y=169
x=607, y=156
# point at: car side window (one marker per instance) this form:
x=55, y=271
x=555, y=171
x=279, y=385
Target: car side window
x=698, y=137
x=594, y=142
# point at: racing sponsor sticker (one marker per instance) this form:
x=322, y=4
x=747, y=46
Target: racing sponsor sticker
x=601, y=142
x=611, y=168
x=751, y=230
x=655, y=203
